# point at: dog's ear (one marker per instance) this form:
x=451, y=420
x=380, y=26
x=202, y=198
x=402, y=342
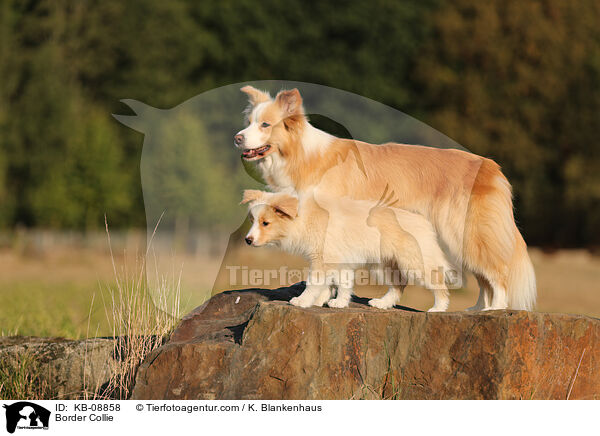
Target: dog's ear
x=285, y=206
x=255, y=96
x=251, y=195
x=290, y=102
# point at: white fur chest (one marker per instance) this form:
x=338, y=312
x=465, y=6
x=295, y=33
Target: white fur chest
x=273, y=167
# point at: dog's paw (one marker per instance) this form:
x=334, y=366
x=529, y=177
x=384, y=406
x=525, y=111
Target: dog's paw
x=380, y=303
x=338, y=303
x=321, y=301
x=300, y=302
x=436, y=309
x=500, y=307
x=474, y=309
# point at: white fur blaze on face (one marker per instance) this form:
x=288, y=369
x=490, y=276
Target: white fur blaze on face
x=253, y=234
x=254, y=136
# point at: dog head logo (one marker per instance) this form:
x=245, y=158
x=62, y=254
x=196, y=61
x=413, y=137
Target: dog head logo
x=26, y=415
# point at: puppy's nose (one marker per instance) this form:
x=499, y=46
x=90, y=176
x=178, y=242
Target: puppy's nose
x=238, y=140
x=249, y=240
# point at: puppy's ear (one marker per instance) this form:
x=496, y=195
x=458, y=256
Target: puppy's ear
x=255, y=96
x=251, y=195
x=285, y=206
x=290, y=102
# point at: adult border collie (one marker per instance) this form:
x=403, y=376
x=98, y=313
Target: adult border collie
x=436, y=183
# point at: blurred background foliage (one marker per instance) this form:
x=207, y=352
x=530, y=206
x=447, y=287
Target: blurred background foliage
x=516, y=81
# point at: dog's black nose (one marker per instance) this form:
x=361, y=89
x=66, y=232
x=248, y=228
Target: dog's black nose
x=238, y=140
x=249, y=240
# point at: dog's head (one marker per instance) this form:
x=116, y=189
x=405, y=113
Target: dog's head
x=271, y=215
x=267, y=119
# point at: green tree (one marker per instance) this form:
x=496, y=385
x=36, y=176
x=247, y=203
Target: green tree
x=515, y=81
x=64, y=163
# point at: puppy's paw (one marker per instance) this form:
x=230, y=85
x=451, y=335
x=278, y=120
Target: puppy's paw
x=338, y=303
x=321, y=301
x=300, y=302
x=380, y=303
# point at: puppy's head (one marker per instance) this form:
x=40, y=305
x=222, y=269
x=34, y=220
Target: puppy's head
x=271, y=215
x=265, y=116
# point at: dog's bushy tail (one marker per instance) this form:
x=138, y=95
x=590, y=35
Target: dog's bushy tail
x=509, y=246
x=522, y=290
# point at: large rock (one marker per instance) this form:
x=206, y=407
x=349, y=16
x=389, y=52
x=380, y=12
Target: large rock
x=254, y=345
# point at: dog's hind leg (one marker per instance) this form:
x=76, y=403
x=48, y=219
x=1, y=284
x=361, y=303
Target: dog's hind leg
x=485, y=295
x=441, y=301
x=499, y=297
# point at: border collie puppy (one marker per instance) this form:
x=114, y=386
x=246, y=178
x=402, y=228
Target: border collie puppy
x=337, y=237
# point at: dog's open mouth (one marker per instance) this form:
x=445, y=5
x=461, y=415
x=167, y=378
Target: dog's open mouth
x=256, y=153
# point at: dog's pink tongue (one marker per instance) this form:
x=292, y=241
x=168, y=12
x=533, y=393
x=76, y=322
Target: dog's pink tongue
x=248, y=153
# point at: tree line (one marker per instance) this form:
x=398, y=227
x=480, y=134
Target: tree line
x=511, y=80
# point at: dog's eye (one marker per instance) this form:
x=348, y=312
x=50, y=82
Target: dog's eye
x=265, y=125
x=265, y=223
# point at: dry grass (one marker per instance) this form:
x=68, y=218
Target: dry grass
x=141, y=318
x=21, y=378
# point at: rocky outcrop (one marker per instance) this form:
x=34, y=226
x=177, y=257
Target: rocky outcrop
x=70, y=368
x=254, y=345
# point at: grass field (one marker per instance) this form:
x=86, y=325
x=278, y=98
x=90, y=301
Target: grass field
x=66, y=292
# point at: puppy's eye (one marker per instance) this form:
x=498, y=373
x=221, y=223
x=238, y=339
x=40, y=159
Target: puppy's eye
x=265, y=223
x=265, y=125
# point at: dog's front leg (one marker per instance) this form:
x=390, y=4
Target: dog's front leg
x=313, y=295
x=345, y=284
x=317, y=290
x=324, y=296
